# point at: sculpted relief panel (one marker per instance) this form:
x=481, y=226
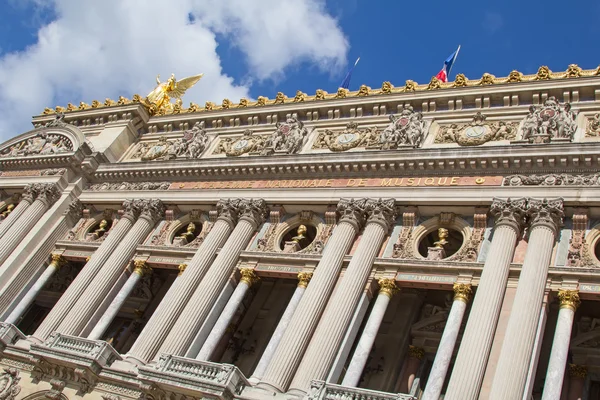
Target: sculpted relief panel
x=476, y=132
x=551, y=121
x=191, y=146
x=42, y=144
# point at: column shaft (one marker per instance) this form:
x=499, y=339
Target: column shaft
x=513, y=364
x=84, y=279
x=267, y=355
x=158, y=327
x=443, y=356
x=24, y=304
x=367, y=338
x=114, y=307
x=227, y=315
x=96, y=292
x=198, y=307
x=471, y=361
x=19, y=210
x=287, y=356
x=569, y=300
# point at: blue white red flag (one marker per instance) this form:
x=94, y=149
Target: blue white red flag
x=346, y=82
x=445, y=72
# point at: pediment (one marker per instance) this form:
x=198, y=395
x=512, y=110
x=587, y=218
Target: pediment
x=433, y=324
x=589, y=340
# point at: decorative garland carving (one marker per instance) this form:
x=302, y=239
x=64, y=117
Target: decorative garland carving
x=190, y=146
x=347, y=139
x=98, y=187
x=267, y=242
x=552, y=180
x=470, y=251
x=476, y=132
x=402, y=248
x=248, y=143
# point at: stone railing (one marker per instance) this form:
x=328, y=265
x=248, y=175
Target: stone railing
x=9, y=335
x=320, y=390
x=206, y=378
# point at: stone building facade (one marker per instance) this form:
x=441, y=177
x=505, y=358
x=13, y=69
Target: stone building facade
x=414, y=242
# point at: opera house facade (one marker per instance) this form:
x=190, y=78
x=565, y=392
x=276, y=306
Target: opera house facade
x=422, y=241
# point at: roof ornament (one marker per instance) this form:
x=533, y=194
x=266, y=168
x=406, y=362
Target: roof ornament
x=158, y=100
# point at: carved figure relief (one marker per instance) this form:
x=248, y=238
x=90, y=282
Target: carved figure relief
x=39, y=145
x=248, y=143
x=289, y=137
x=551, y=121
x=97, y=187
x=405, y=129
x=9, y=384
x=347, y=139
x=552, y=180
x=402, y=248
x=190, y=146
x=593, y=126
x=476, y=132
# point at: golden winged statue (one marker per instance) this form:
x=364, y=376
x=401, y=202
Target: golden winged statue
x=158, y=101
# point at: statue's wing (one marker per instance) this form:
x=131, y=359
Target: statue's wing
x=184, y=84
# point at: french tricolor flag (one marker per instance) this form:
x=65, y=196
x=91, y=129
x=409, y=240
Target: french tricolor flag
x=445, y=72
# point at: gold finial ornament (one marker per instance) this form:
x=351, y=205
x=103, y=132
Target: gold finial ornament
x=261, y=101
x=159, y=99
x=249, y=277
x=243, y=102
x=569, y=299
x=48, y=111
x=416, y=352
x=341, y=93
x=83, y=105
x=136, y=98
x=573, y=71
x=60, y=109
x=434, y=83
x=96, y=104
x=123, y=100
x=299, y=97
x=386, y=87
x=577, y=371
x=226, y=104
x=487, y=79
x=410, y=86
x=71, y=107
x=514, y=76
x=209, y=106
x=320, y=94
x=280, y=98
x=57, y=260
x=109, y=102
x=363, y=91
x=460, y=81
x=543, y=73
x=387, y=287
x=181, y=268
x=442, y=236
x=463, y=292
x=141, y=268
x=193, y=107
x=304, y=278
x=9, y=209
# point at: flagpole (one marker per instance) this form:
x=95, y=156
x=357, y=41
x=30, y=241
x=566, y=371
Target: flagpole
x=455, y=57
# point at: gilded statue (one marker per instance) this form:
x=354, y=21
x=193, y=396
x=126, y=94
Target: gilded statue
x=7, y=212
x=71, y=107
x=442, y=236
x=341, y=93
x=300, y=237
x=160, y=97
x=299, y=97
x=101, y=228
x=193, y=107
x=280, y=98
x=261, y=101
x=189, y=234
x=209, y=106
x=83, y=105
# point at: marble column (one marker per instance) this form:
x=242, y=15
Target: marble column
x=91, y=299
x=569, y=301
x=55, y=264
x=248, y=279
x=85, y=277
x=471, y=360
x=517, y=347
x=28, y=198
x=387, y=288
x=181, y=336
x=295, y=339
x=265, y=359
x=141, y=268
x=168, y=311
x=330, y=332
x=44, y=195
x=443, y=356
x=577, y=375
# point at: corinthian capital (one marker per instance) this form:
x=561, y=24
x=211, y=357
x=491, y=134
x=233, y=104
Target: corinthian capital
x=510, y=212
x=48, y=192
x=382, y=211
x=132, y=208
x=227, y=209
x=352, y=211
x=75, y=210
x=153, y=209
x=31, y=192
x=547, y=212
x=253, y=209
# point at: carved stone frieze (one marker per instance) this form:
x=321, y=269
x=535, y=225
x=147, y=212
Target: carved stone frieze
x=9, y=384
x=190, y=146
x=247, y=143
x=382, y=211
x=476, y=132
x=510, y=211
x=552, y=180
x=402, y=247
x=42, y=144
x=347, y=139
x=549, y=212
x=551, y=121
x=79, y=376
x=53, y=171
x=593, y=126
x=98, y=187
x=288, y=138
x=405, y=129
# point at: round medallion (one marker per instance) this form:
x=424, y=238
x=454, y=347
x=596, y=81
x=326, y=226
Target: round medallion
x=285, y=129
x=240, y=144
x=548, y=113
x=475, y=131
x=403, y=121
x=346, y=138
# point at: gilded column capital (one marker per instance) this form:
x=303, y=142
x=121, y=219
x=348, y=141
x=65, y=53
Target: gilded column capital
x=569, y=299
x=57, y=260
x=141, y=268
x=181, y=267
x=304, y=278
x=227, y=209
x=510, y=212
x=416, y=352
x=353, y=211
x=382, y=211
x=577, y=371
x=462, y=292
x=153, y=210
x=249, y=277
x=546, y=212
x=253, y=210
x=387, y=287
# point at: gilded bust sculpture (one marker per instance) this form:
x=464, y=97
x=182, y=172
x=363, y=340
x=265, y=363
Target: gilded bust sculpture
x=101, y=228
x=442, y=235
x=300, y=237
x=189, y=234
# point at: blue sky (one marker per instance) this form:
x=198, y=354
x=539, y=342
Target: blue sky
x=56, y=51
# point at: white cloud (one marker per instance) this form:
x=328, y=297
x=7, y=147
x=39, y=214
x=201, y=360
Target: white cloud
x=94, y=50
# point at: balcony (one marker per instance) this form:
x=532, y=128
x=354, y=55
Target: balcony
x=320, y=390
